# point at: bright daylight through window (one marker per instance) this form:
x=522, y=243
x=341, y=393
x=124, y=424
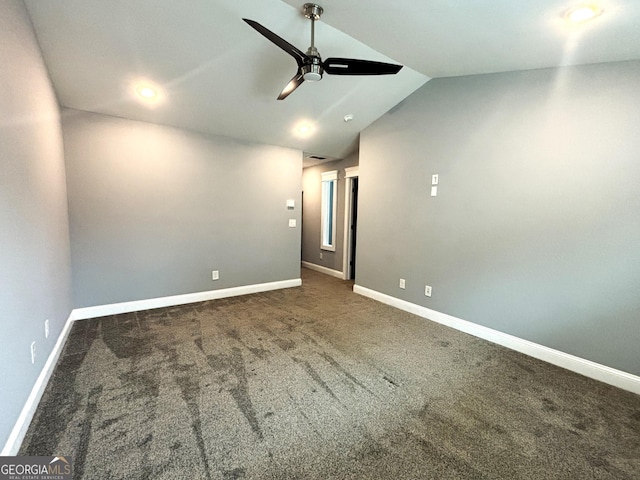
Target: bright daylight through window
x=328, y=210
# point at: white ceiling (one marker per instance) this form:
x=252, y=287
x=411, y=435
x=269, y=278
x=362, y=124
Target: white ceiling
x=219, y=76
x=445, y=38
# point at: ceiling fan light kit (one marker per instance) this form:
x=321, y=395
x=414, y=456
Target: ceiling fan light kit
x=310, y=64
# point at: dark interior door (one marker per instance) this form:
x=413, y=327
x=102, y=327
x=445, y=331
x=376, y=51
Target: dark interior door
x=353, y=226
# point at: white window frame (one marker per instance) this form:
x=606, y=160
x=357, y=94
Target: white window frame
x=328, y=211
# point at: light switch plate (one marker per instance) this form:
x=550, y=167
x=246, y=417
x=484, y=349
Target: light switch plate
x=434, y=191
x=434, y=179
x=291, y=204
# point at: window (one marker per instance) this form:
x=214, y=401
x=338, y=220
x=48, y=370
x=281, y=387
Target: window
x=328, y=210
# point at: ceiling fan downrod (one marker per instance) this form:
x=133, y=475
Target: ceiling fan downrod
x=312, y=72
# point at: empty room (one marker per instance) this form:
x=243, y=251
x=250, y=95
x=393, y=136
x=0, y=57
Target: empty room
x=272, y=239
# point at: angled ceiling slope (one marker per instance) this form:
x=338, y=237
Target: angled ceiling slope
x=219, y=76
x=459, y=37
x=215, y=74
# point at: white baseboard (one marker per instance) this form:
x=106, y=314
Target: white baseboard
x=325, y=270
x=21, y=426
x=590, y=369
x=137, y=305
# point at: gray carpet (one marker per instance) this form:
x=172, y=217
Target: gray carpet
x=319, y=383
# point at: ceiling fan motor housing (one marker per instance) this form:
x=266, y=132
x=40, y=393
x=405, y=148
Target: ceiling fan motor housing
x=312, y=72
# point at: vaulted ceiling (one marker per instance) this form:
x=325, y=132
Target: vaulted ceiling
x=216, y=75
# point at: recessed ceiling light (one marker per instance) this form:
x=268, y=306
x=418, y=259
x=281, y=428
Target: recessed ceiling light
x=146, y=92
x=583, y=13
x=304, y=129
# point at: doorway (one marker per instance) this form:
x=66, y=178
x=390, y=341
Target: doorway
x=354, y=223
x=350, y=223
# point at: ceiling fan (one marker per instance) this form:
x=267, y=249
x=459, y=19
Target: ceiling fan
x=310, y=64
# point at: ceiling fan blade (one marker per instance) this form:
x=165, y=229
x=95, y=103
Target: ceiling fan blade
x=295, y=82
x=351, y=66
x=281, y=42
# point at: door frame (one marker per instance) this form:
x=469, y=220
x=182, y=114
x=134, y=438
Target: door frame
x=350, y=174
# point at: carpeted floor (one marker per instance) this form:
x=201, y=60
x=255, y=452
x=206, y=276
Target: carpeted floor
x=319, y=383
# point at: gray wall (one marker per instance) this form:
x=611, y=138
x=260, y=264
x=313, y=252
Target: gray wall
x=311, y=186
x=34, y=231
x=154, y=209
x=536, y=228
